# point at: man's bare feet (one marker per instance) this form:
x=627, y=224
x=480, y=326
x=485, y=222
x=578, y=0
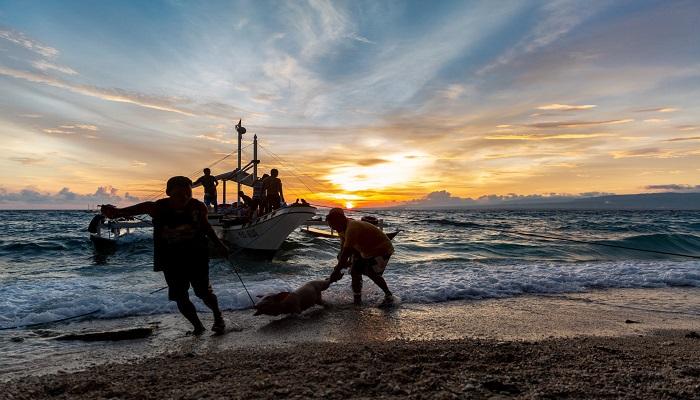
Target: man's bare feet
x=219, y=326
x=197, y=331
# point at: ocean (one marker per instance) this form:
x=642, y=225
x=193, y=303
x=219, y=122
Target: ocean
x=49, y=269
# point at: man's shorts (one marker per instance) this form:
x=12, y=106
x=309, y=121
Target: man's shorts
x=210, y=200
x=376, y=264
x=180, y=278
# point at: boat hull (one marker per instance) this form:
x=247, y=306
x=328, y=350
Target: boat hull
x=268, y=232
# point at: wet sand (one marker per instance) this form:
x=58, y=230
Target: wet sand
x=624, y=343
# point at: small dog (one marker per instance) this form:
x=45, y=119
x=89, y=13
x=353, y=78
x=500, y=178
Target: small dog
x=295, y=302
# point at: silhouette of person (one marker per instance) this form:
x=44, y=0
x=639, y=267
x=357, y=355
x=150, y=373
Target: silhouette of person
x=259, y=195
x=209, y=183
x=180, y=247
x=365, y=249
x=273, y=189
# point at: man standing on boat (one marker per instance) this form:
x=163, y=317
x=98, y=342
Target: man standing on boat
x=180, y=247
x=365, y=249
x=273, y=189
x=259, y=195
x=209, y=183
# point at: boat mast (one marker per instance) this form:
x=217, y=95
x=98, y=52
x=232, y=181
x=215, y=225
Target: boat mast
x=255, y=158
x=240, y=130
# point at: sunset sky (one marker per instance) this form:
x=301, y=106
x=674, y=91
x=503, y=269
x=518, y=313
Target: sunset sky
x=372, y=102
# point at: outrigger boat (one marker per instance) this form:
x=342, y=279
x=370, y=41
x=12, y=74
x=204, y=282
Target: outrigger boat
x=104, y=233
x=309, y=227
x=263, y=234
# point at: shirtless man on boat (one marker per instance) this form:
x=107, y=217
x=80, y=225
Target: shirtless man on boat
x=180, y=247
x=365, y=249
x=273, y=190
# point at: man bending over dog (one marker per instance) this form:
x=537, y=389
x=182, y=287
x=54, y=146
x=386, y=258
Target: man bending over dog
x=365, y=249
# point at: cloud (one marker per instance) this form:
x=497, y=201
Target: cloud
x=84, y=130
x=58, y=131
x=453, y=92
x=576, y=124
x=22, y=40
x=64, y=198
x=651, y=152
x=555, y=20
x=659, y=109
x=87, y=127
x=216, y=137
x=655, y=120
x=265, y=98
x=566, y=107
x=322, y=26
x=28, y=160
x=563, y=136
x=682, y=139
x=367, y=162
x=116, y=95
x=688, y=127
x=44, y=65
x=673, y=187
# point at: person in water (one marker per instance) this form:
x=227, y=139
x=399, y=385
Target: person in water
x=209, y=183
x=365, y=249
x=273, y=189
x=180, y=247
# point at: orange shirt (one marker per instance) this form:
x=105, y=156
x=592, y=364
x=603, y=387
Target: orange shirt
x=366, y=239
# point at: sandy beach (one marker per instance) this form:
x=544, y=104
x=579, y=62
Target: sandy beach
x=574, y=346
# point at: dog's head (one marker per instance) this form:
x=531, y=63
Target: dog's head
x=272, y=304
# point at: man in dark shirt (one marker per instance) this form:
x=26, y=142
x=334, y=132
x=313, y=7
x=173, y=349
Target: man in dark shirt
x=180, y=247
x=209, y=183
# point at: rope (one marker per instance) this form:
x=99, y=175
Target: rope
x=195, y=172
x=241, y=279
x=291, y=168
x=50, y=322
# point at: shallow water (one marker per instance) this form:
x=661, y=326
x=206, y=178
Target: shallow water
x=49, y=270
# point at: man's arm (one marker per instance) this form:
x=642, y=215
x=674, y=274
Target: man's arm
x=111, y=211
x=343, y=262
x=281, y=194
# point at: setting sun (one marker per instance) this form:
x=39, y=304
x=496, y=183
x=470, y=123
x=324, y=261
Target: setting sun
x=395, y=170
x=349, y=204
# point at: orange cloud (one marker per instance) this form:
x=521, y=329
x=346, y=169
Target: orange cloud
x=566, y=107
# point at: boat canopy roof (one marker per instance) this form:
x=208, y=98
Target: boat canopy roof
x=236, y=175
